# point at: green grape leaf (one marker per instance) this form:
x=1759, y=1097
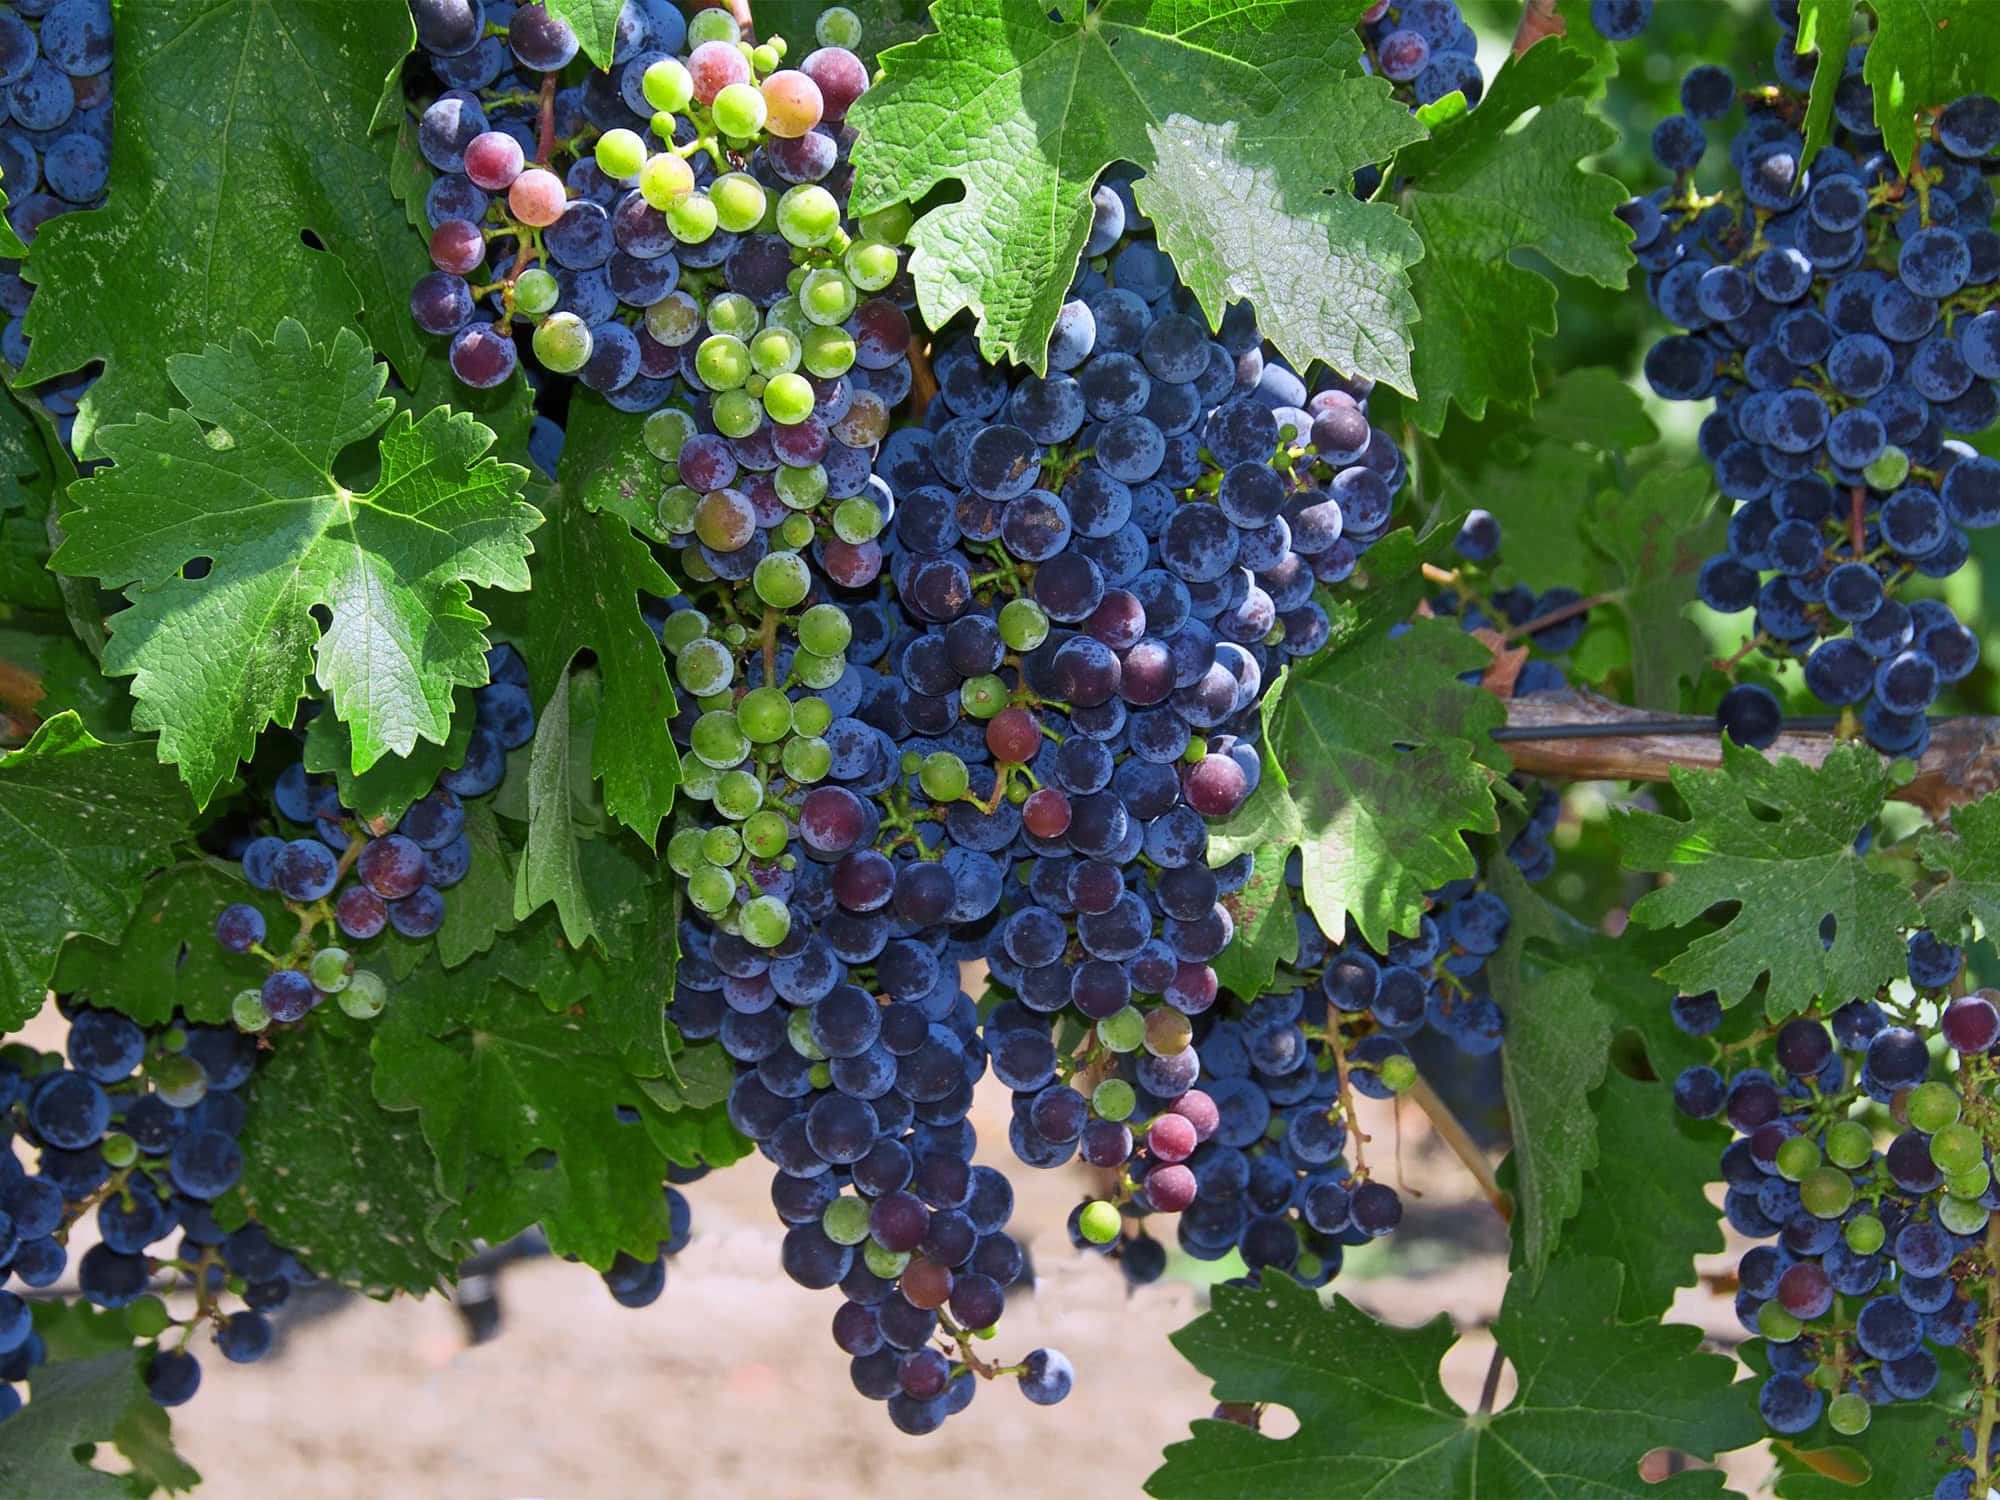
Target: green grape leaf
x=1824, y=27
x=11, y=247
x=1374, y=1419
x=1774, y=839
x=81, y=824
x=1652, y=535
x=1649, y=1209
x=590, y=574
x=595, y=23
x=245, y=476
x=1381, y=748
x=481, y=906
x=241, y=130
x=1966, y=859
x=65, y=678
x=1266, y=932
x=1480, y=192
x=531, y=1118
x=384, y=792
x=75, y=1331
x=333, y=1175
x=1924, y=54
x=605, y=462
x=72, y=1403
x=551, y=868
x=1025, y=112
x=26, y=487
x=166, y=957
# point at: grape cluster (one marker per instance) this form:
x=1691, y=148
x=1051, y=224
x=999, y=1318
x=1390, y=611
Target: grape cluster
x=1840, y=317
x=55, y=148
x=633, y=1282
x=140, y=1126
x=1424, y=48
x=1856, y=1290
x=717, y=169
x=359, y=880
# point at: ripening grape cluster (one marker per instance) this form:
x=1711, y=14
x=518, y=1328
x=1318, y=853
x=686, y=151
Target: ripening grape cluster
x=136, y=1128
x=1840, y=317
x=55, y=147
x=1855, y=1293
x=606, y=216
x=337, y=872
x=1424, y=47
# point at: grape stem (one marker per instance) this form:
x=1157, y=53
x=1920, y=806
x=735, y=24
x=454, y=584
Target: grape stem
x=1563, y=612
x=923, y=381
x=545, y=135
x=1466, y=1149
x=1491, y=1388
x=1856, y=526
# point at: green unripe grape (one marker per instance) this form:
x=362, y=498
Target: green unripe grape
x=119, y=1149
x=174, y=1039
x=1962, y=1215
x=1123, y=1031
x=331, y=970
x=674, y=319
x=695, y=565
x=1849, y=1144
x=180, y=1080
x=1113, y=1099
x=1849, y=1413
x=562, y=342
x=1024, y=624
x=910, y=761
x=365, y=995
x=801, y=489
x=722, y=361
x=148, y=1318
x=734, y=314
x=721, y=846
x=818, y=672
x=684, y=851
x=697, y=780
x=1969, y=1184
x=982, y=697
x=669, y=86
x=247, y=1011
x=666, y=431
x=828, y=351
x=705, y=667
x=943, y=776
x=857, y=519
x=891, y=223
x=755, y=384
x=666, y=181
x=806, y=760
x=741, y=110
x=738, y=197
x=1098, y=1223
x=1864, y=1234
x=766, y=56
x=1957, y=1148
x=1826, y=1192
x=1777, y=1325
x=811, y=716
x=712, y=26
x=798, y=1031
x=682, y=629
x=775, y=351
x=795, y=532
x=1932, y=1106
x=717, y=703
x=736, y=413
x=825, y=629
x=765, y=714
x=786, y=313
x=808, y=215
x=718, y=740
x=712, y=889
x=535, y=292
x=1398, y=1073
x=765, y=834
x=838, y=26
x=765, y=921
x=827, y=296
x=1796, y=1157
x=789, y=399
x=738, y=794
x=781, y=579
x=888, y=1264
x=871, y=265
x=620, y=154
x=691, y=217
x=845, y=1220
x=1887, y=469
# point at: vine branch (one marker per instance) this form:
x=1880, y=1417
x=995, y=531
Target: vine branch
x=1463, y=1146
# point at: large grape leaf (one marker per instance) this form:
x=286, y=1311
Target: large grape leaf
x=1378, y=758
x=1965, y=858
x=531, y=1118
x=1373, y=1418
x=1481, y=191
x=595, y=23
x=73, y=1404
x=244, y=476
x=1774, y=839
x=1025, y=111
x=384, y=792
x=589, y=574
x=81, y=823
x=242, y=130
x=1924, y=54
x=348, y=1185
x=166, y=958
x=551, y=867
x=481, y=906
